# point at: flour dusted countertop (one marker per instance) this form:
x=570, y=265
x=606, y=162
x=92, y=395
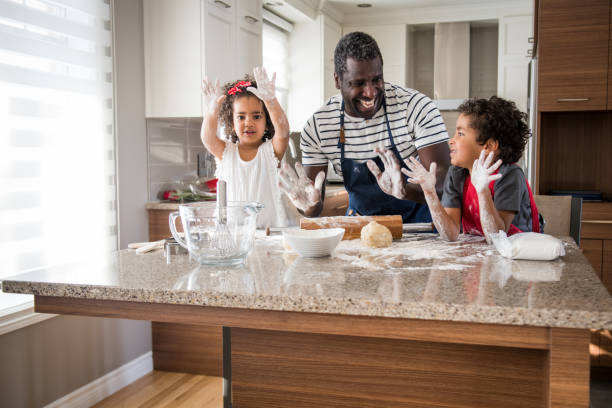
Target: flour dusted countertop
x=331, y=190
x=420, y=277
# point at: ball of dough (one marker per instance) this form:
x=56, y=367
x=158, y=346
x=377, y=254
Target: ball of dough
x=376, y=235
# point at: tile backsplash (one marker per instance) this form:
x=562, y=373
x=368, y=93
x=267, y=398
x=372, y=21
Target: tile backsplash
x=173, y=146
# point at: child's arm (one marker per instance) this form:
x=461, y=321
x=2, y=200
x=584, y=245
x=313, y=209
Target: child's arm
x=491, y=219
x=266, y=91
x=213, y=97
x=446, y=220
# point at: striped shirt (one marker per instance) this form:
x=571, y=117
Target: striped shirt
x=414, y=120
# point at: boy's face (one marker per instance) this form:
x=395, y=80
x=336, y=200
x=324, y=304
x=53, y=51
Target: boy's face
x=362, y=87
x=249, y=120
x=464, y=148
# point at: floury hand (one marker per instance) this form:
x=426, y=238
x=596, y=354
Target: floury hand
x=390, y=180
x=482, y=171
x=266, y=88
x=212, y=96
x=417, y=174
x=302, y=192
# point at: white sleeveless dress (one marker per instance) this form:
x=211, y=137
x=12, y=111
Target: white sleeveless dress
x=257, y=180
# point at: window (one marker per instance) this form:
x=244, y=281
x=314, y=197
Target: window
x=57, y=201
x=276, y=58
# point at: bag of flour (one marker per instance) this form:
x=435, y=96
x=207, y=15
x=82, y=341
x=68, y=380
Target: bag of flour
x=528, y=245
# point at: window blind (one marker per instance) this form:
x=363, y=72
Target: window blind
x=58, y=195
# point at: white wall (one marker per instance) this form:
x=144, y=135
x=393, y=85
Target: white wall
x=391, y=39
x=130, y=125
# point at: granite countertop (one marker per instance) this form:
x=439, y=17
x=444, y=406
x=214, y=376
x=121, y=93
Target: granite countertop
x=421, y=277
x=331, y=190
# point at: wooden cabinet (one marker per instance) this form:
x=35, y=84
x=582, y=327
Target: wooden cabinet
x=596, y=244
x=188, y=40
x=606, y=264
x=610, y=64
x=159, y=227
x=596, y=239
x=573, y=54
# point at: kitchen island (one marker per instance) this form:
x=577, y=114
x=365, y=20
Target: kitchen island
x=423, y=323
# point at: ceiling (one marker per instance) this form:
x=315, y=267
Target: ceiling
x=350, y=6
x=297, y=10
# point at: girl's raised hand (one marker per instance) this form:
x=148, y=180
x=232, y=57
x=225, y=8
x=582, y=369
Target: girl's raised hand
x=417, y=174
x=266, y=88
x=482, y=171
x=213, y=96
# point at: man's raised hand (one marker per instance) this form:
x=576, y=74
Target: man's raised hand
x=302, y=192
x=390, y=180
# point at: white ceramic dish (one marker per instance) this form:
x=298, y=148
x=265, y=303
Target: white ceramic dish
x=313, y=243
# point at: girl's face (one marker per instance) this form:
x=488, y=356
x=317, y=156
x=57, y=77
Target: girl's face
x=464, y=148
x=249, y=120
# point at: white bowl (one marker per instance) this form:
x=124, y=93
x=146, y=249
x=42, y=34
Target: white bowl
x=313, y=243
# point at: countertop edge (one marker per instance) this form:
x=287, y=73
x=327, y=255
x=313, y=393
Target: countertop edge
x=350, y=307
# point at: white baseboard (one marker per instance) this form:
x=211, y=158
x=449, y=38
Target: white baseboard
x=97, y=390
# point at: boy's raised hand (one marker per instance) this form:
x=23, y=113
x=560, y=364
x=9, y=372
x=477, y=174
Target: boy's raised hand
x=213, y=96
x=266, y=88
x=417, y=174
x=302, y=192
x=390, y=180
x=482, y=171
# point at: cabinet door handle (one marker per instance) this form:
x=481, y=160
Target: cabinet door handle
x=573, y=99
x=222, y=3
x=251, y=19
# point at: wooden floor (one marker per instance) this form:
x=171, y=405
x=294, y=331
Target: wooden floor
x=161, y=389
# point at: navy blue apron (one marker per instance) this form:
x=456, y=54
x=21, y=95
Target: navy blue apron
x=365, y=196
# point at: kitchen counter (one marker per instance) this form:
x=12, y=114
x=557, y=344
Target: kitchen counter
x=424, y=312
x=331, y=190
x=421, y=277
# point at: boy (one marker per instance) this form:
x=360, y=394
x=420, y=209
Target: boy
x=477, y=196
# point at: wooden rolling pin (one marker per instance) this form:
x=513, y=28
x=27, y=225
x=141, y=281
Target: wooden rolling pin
x=353, y=225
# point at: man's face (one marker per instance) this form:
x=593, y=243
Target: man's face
x=362, y=87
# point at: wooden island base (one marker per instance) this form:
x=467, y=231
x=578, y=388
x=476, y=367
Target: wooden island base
x=290, y=359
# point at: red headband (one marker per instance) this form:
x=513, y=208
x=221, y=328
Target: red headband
x=238, y=87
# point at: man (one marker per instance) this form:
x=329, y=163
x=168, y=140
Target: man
x=374, y=124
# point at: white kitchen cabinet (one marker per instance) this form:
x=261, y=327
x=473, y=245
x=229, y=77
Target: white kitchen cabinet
x=188, y=40
x=219, y=39
x=249, y=36
x=513, y=58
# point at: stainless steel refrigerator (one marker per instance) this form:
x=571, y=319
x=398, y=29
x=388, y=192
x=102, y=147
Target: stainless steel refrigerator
x=530, y=155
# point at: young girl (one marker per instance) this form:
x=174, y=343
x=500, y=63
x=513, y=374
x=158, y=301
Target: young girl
x=476, y=196
x=258, y=133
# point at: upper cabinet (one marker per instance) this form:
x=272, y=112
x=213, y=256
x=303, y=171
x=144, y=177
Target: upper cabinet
x=573, y=53
x=188, y=40
x=610, y=64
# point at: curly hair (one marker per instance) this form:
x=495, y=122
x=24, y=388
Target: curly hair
x=226, y=113
x=500, y=120
x=357, y=45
